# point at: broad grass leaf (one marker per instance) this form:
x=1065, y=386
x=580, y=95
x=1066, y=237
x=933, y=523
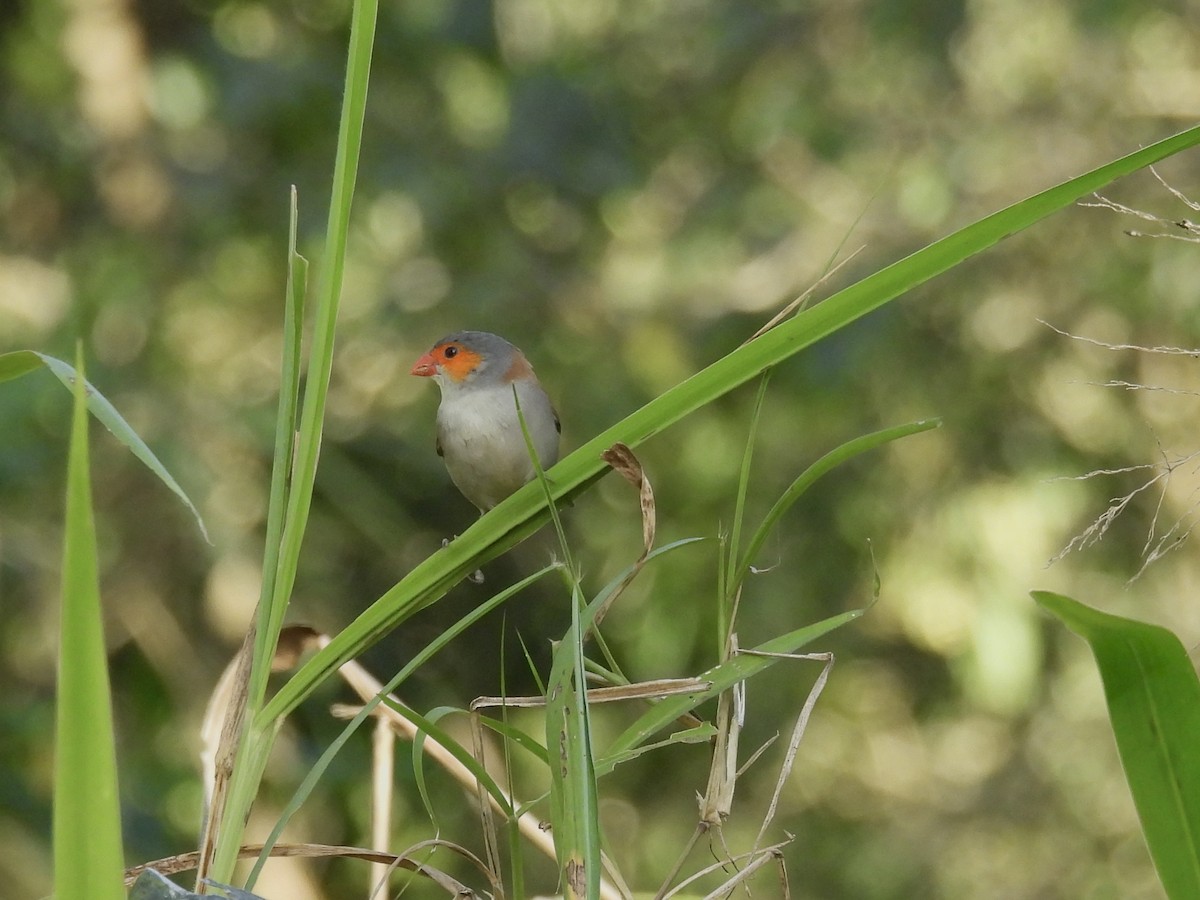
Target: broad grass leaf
x=1153, y=698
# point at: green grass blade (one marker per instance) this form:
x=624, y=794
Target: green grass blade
x=728, y=589
x=830, y=460
x=511, y=738
x=270, y=616
x=700, y=734
x=574, y=800
x=722, y=677
x=525, y=511
x=574, y=797
x=255, y=747
x=21, y=362
x=18, y=363
x=329, y=291
x=1153, y=698
x=88, y=859
x=605, y=597
x=429, y=728
x=514, y=737
x=743, y=490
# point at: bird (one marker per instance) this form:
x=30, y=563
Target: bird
x=478, y=432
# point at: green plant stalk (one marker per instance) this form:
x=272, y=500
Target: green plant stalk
x=260, y=731
x=512, y=831
x=510, y=736
x=727, y=589
x=329, y=292
x=269, y=621
x=88, y=858
x=574, y=800
x=1153, y=698
x=526, y=510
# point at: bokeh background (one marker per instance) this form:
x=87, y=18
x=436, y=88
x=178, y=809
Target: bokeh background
x=626, y=190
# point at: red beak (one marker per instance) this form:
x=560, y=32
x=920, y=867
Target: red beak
x=424, y=367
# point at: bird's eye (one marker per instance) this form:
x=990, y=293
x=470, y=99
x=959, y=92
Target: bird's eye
x=450, y=352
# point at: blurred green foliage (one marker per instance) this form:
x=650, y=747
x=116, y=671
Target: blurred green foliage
x=626, y=190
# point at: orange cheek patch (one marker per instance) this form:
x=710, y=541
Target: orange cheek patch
x=461, y=364
x=519, y=369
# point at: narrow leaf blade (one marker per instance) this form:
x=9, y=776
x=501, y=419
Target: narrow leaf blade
x=88, y=863
x=1153, y=698
x=18, y=363
x=809, y=476
x=21, y=362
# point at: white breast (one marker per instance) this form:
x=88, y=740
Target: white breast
x=482, y=443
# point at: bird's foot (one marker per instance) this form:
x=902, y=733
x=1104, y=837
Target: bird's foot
x=475, y=577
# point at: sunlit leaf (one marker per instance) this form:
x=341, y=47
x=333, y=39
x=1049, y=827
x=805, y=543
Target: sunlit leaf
x=88, y=863
x=1153, y=698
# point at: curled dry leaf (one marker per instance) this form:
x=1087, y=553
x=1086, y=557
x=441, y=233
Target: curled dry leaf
x=220, y=733
x=623, y=461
